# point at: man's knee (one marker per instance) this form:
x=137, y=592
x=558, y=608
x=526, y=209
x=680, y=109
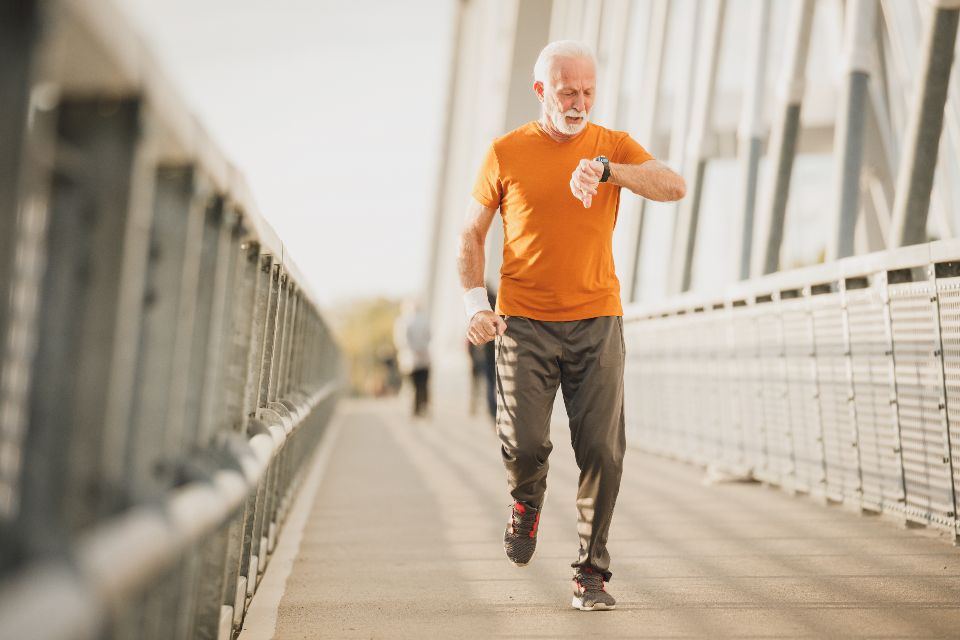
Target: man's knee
x=601, y=455
x=526, y=455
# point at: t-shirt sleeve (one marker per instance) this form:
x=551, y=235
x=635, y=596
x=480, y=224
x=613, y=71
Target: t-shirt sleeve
x=488, y=189
x=629, y=151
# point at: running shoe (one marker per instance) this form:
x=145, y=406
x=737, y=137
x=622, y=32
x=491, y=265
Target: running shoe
x=589, y=591
x=520, y=537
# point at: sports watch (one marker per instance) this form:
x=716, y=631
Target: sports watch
x=606, y=167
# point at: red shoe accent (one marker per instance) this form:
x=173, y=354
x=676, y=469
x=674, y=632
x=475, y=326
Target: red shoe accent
x=536, y=523
x=518, y=506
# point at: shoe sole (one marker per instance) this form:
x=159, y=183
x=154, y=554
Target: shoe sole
x=577, y=603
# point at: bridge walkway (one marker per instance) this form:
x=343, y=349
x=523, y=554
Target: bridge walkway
x=399, y=537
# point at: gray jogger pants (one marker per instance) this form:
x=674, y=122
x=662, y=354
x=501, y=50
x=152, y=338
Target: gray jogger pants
x=584, y=358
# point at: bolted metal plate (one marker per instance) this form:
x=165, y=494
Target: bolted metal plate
x=749, y=377
x=833, y=386
x=872, y=365
x=801, y=370
x=916, y=344
x=948, y=290
x=777, y=444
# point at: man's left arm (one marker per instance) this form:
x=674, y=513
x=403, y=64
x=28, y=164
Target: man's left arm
x=650, y=179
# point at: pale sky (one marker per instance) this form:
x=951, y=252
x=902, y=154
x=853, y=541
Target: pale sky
x=333, y=110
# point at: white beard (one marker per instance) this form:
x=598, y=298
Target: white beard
x=559, y=121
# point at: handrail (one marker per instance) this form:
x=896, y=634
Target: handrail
x=165, y=374
x=838, y=380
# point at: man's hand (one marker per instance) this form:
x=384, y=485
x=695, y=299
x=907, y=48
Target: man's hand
x=485, y=326
x=585, y=180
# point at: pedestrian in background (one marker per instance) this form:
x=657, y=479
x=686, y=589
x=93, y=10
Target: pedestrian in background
x=389, y=370
x=483, y=369
x=411, y=336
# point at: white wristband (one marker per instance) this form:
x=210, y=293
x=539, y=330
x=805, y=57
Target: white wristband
x=475, y=301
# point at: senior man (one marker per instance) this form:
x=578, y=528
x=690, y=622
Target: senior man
x=558, y=323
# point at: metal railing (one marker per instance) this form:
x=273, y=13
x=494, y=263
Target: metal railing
x=165, y=374
x=840, y=380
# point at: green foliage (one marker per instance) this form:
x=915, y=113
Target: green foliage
x=364, y=330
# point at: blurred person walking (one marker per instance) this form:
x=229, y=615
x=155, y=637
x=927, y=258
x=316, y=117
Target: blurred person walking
x=483, y=370
x=411, y=336
x=558, y=321
x=477, y=356
x=391, y=381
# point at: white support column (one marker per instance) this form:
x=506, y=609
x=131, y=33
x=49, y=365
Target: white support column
x=477, y=112
x=682, y=98
x=879, y=152
x=443, y=167
x=783, y=138
x=924, y=126
x=685, y=234
x=590, y=22
x=494, y=93
x=849, y=133
x=751, y=135
x=561, y=15
x=531, y=33
x=648, y=111
x=610, y=51
x=680, y=124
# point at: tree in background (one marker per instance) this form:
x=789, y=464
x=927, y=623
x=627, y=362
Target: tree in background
x=364, y=330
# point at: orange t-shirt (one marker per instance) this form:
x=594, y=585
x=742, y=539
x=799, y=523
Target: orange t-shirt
x=557, y=255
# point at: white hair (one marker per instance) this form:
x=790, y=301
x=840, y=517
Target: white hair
x=560, y=49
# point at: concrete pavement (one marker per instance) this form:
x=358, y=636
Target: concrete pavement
x=402, y=539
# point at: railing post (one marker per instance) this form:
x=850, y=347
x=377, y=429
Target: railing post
x=854, y=432
x=945, y=410
x=883, y=286
x=241, y=345
x=269, y=337
x=157, y=372
x=77, y=319
x=176, y=431
x=211, y=419
x=206, y=300
x=258, y=323
x=18, y=31
x=280, y=340
x=24, y=187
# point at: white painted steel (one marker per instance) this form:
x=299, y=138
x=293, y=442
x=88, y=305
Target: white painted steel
x=841, y=381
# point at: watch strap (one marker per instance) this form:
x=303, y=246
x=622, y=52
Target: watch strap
x=606, y=167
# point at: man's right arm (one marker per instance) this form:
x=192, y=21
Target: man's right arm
x=484, y=325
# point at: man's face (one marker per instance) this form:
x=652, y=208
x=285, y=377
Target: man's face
x=568, y=94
